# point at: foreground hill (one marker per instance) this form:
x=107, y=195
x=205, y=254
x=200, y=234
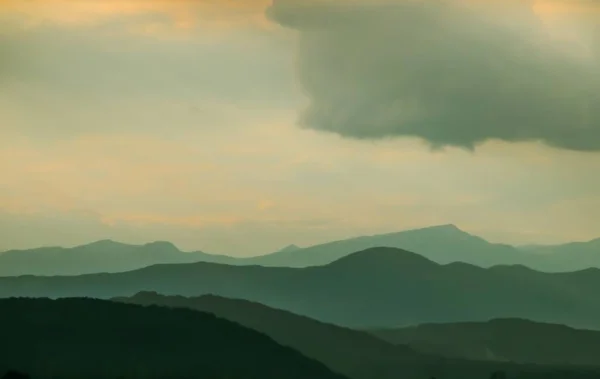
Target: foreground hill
x=380, y=287
x=101, y=256
x=515, y=340
x=350, y=352
x=353, y=353
x=87, y=338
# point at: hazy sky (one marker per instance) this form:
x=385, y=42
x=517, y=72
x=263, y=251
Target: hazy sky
x=241, y=126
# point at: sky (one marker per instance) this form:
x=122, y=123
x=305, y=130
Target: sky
x=242, y=126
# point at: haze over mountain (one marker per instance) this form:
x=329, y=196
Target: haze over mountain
x=567, y=257
x=513, y=340
x=88, y=338
x=442, y=244
x=379, y=287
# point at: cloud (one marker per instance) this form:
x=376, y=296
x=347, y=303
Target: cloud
x=101, y=60
x=100, y=76
x=182, y=13
x=10, y=57
x=453, y=73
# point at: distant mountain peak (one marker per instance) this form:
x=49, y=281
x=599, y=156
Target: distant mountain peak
x=103, y=243
x=449, y=230
x=445, y=227
x=289, y=248
x=162, y=245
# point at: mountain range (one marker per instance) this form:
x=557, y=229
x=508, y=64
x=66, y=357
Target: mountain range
x=378, y=287
x=100, y=256
x=442, y=244
x=445, y=244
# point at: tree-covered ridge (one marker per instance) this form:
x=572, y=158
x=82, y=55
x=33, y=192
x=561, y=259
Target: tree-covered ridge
x=88, y=338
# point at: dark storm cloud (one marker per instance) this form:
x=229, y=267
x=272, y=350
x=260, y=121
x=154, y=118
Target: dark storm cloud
x=450, y=73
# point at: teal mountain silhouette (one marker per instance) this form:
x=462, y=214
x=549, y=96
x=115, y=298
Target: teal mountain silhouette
x=100, y=256
x=377, y=287
x=442, y=244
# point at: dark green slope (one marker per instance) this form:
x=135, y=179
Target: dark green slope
x=354, y=353
x=350, y=352
x=515, y=340
x=88, y=338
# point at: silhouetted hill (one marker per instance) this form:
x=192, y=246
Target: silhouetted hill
x=350, y=352
x=515, y=340
x=87, y=338
x=442, y=244
x=355, y=354
x=383, y=258
x=362, y=290
x=100, y=256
